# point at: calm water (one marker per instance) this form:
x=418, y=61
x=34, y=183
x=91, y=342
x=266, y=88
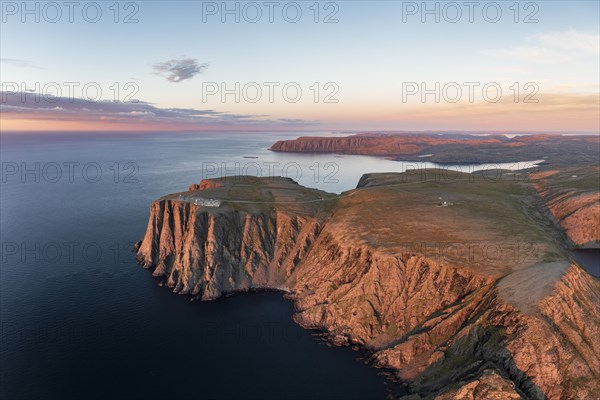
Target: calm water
x=589, y=259
x=81, y=320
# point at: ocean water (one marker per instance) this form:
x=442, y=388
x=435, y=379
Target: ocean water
x=588, y=259
x=79, y=319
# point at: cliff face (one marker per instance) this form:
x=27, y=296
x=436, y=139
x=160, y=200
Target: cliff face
x=449, y=328
x=572, y=196
x=208, y=252
x=436, y=324
x=370, y=298
x=347, y=145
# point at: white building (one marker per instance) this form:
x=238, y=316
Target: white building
x=207, y=202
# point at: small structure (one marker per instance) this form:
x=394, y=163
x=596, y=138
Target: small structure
x=443, y=203
x=199, y=201
x=207, y=202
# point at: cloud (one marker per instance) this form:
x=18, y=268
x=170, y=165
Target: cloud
x=553, y=47
x=570, y=40
x=32, y=106
x=18, y=63
x=179, y=70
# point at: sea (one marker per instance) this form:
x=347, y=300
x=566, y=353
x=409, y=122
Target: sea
x=80, y=319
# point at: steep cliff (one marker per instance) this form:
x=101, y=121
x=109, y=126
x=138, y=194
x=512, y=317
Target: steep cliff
x=348, y=145
x=447, y=297
x=247, y=243
x=572, y=195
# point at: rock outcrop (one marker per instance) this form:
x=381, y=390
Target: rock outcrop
x=361, y=267
x=204, y=184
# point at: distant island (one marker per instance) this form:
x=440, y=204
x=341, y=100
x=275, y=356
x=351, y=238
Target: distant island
x=463, y=287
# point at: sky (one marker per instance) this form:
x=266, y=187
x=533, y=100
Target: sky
x=345, y=65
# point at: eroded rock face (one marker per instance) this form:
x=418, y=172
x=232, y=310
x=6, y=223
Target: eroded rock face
x=573, y=198
x=450, y=330
x=208, y=253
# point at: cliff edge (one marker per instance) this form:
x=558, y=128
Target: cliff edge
x=572, y=195
x=467, y=299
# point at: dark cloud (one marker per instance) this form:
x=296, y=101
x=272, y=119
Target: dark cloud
x=18, y=63
x=34, y=106
x=179, y=70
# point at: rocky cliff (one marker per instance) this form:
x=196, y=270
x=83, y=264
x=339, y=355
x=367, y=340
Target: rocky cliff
x=211, y=251
x=366, y=268
x=453, y=148
x=572, y=195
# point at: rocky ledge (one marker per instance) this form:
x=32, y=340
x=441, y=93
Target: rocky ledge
x=472, y=300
